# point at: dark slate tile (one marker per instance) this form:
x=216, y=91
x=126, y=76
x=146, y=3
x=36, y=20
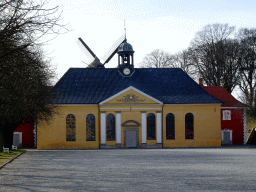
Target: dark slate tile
x=91, y=86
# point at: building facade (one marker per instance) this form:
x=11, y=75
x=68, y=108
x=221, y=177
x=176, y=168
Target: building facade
x=127, y=107
x=24, y=135
x=233, y=116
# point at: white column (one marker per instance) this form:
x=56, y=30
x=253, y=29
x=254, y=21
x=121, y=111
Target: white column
x=118, y=127
x=103, y=127
x=143, y=127
x=245, y=127
x=158, y=127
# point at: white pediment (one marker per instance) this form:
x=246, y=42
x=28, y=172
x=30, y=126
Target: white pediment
x=131, y=95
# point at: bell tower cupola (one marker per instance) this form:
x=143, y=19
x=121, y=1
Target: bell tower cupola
x=125, y=57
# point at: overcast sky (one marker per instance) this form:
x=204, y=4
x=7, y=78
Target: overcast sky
x=169, y=25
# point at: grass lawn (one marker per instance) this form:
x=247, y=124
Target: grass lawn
x=6, y=156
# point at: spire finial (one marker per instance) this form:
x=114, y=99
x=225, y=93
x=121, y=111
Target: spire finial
x=124, y=30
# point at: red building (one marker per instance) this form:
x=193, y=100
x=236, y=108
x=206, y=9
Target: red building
x=24, y=135
x=233, y=115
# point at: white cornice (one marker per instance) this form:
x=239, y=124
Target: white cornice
x=131, y=108
x=132, y=104
x=233, y=107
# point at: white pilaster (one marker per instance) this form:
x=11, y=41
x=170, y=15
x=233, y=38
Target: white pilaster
x=118, y=127
x=143, y=127
x=103, y=127
x=245, y=127
x=158, y=127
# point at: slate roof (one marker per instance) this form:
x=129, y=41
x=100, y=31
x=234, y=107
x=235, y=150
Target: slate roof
x=93, y=85
x=222, y=94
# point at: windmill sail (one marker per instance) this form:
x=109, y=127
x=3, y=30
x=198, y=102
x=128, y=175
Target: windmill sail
x=113, y=49
x=88, y=52
x=95, y=62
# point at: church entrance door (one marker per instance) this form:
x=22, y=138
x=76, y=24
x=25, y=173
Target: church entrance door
x=131, y=139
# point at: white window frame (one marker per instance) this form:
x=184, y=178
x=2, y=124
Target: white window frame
x=20, y=136
x=230, y=133
x=226, y=115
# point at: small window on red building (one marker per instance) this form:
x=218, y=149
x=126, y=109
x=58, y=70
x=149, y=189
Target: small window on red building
x=226, y=115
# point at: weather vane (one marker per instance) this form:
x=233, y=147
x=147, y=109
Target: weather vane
x=124, y=29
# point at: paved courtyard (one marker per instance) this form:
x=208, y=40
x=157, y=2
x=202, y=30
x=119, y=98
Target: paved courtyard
x=205, y=169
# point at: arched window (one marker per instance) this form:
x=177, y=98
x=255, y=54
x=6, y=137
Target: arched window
x=70, y=127
x=170, y=126
x=189, y=126
x=111, y=127
x=151, y=126
x=90, y=127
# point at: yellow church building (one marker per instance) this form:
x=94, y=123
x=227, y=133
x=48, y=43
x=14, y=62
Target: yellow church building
x=127, y=107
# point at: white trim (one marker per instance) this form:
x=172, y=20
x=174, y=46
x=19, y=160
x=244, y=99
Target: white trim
x=245, y=127
x=158, y=128
x=194, y=104
x=143, y=127
x=232, y=107
x=118, y=128
x=128, y=104
x=226, y=115
x=227, y=130
x=103, y=128
x=134, y=89
x=132, y=108
x=20, y=136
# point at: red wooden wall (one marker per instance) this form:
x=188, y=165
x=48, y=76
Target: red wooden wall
x=236, y=124
x=27, y=134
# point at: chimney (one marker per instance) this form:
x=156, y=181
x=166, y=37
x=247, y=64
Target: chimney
x=201, y=82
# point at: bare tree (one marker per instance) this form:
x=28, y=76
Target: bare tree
x=162, y=59
x=157, y=59
x=183, y=60
x=247, y=38
x=215, y=56
x=24, y=73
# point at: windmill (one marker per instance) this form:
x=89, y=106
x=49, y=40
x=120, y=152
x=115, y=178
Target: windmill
x=95, y=62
